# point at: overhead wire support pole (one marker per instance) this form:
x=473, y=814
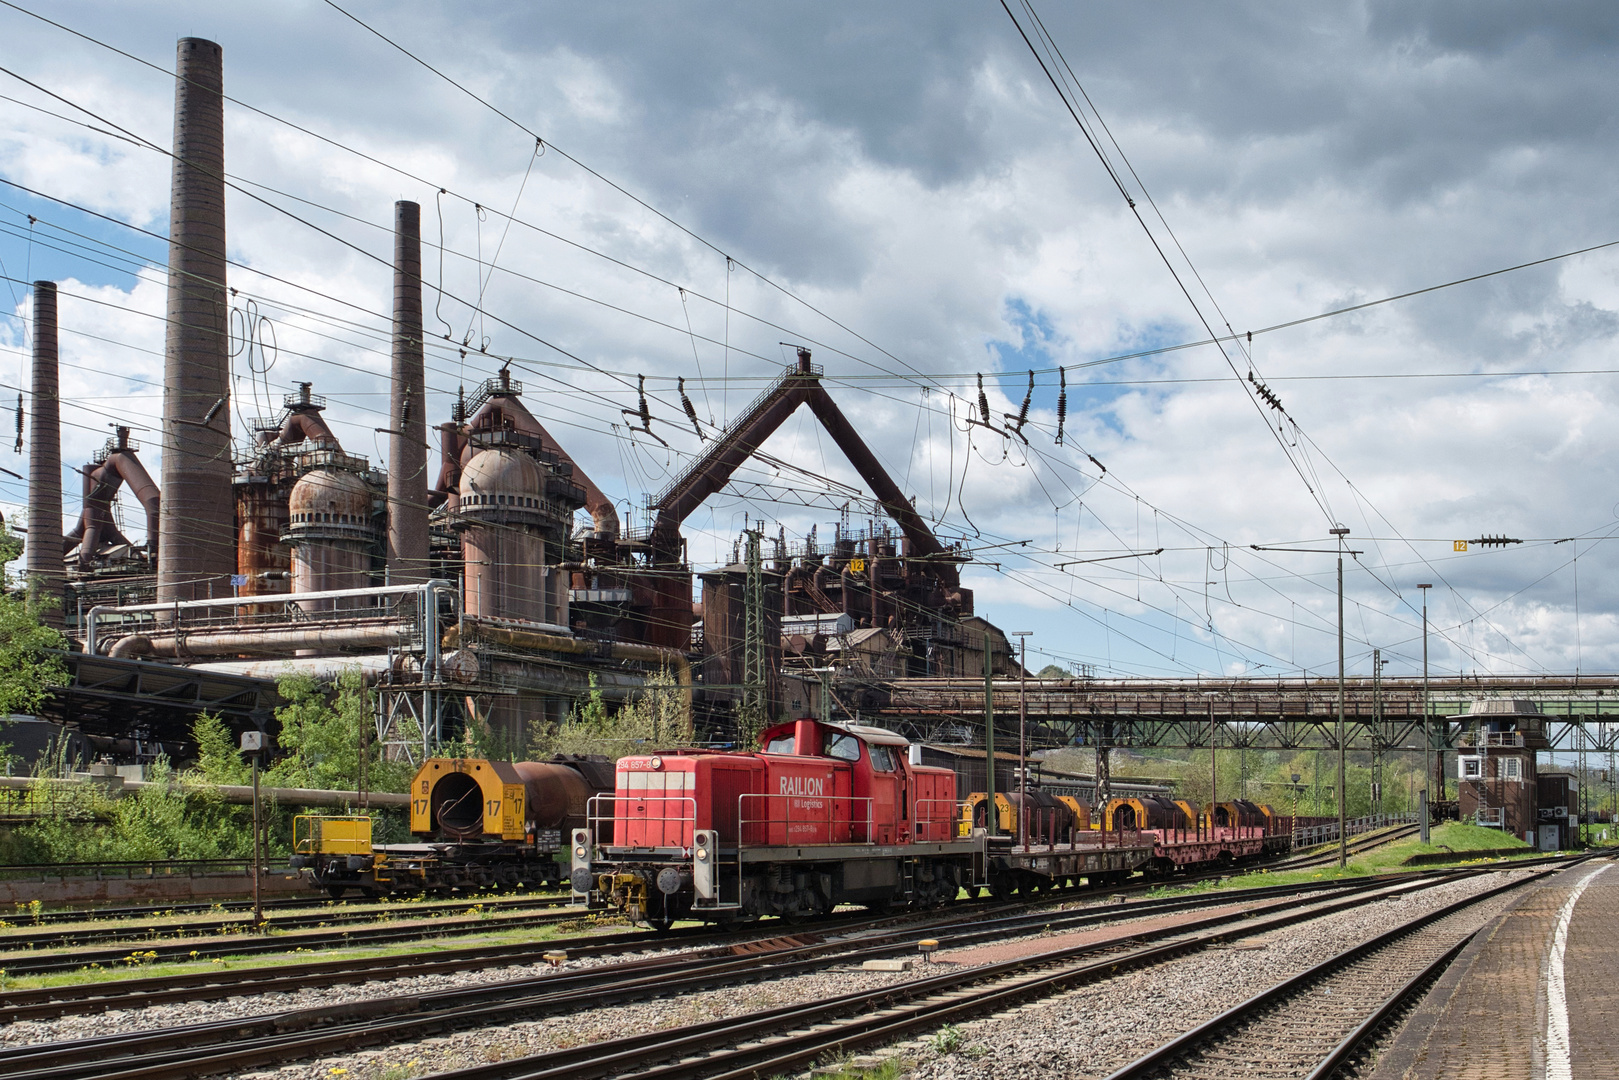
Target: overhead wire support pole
x=1343, y=751
x=990, y=816
x=1022, y=731
x=1425, y=809
x=1338, y=532
x=753, y=712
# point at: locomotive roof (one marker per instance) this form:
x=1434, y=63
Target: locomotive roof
x=880, y=736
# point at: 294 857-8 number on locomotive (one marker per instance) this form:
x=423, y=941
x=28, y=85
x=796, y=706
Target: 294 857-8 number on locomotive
x=825, y=814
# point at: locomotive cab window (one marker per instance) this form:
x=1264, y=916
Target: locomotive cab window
x=841, y=745
x=882, y=758
x=781, y=744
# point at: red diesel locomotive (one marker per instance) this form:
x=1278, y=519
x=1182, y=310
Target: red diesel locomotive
x=826, y=814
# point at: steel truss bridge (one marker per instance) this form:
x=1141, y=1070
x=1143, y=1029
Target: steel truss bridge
x=1581, y=712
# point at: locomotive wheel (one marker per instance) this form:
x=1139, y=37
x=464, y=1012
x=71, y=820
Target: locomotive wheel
x=335, y=891
x=660, y=924
x=1000, y=886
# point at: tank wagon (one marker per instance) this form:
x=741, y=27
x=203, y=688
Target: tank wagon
x=826, y=814
x=477, y=824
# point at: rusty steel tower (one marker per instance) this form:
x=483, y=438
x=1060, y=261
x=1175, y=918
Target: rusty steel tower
x=197, y=543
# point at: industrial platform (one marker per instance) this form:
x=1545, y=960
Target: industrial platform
x=1534, y=995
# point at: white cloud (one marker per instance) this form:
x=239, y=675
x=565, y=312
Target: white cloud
x=907, y=171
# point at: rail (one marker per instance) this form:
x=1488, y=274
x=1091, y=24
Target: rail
x=684, y=822
x=152, y=868
x=1313, y=835
x=1486, y=739
x=929, y=826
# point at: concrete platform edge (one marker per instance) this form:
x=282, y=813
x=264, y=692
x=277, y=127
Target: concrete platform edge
x=1398, y=1060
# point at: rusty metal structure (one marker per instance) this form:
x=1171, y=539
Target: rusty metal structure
x=97, y=541
x=477, y=603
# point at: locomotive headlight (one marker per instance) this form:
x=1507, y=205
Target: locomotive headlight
x=657, y=763
x=579, y=852
x=702, y=854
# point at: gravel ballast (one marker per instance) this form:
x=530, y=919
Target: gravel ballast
x=1083, y=1033
x=1094, y=1030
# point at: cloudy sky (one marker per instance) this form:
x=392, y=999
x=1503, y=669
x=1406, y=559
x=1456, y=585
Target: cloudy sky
x=900, y=188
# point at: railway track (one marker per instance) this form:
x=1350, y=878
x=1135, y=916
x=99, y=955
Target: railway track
x=235, y=1045
x=213, y=985
x=19, y=954
x=1357, y=845
x=301, y=903
x=26, y=940
x=1349, y=997
x=148, y=951
x=785, y=1040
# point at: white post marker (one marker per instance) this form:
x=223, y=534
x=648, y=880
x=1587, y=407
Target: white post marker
x=1557, y=1048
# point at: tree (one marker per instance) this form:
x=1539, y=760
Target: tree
x=1053, y=671
x=657, y=718
x=322, y=732
x=27, y=668
x=219, y=758
x=11, y=547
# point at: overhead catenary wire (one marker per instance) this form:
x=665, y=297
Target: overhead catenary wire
x=727, y=382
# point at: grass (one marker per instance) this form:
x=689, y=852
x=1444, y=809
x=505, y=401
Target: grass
x=1453, y=837
x=891, y=1069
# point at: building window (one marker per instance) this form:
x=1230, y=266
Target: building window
x=1511, y=769
x=1470, y=768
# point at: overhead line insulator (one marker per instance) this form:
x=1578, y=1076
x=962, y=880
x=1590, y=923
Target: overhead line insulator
x=1265, y=392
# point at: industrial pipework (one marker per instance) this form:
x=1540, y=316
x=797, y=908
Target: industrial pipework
x=114, y=466
x=364, y=630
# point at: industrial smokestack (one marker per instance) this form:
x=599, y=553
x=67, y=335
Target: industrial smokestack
x=44, y=547
x=197, y=542
x=407, y=427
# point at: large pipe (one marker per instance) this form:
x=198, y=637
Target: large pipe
x=370, y=667
x=407, y=420
x=44, y=549
x=673, y=659
x=357, y=635
x=428, y=592
x=231, y=793
x=96, y=527
x=197, y=545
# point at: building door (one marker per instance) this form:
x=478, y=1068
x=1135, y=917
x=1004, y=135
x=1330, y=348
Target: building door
x=1548, y=837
